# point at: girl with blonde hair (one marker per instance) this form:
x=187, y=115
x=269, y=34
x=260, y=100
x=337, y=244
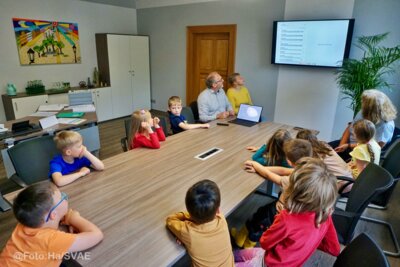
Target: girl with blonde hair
x=142, y=134
x=367, y=149
x=305, y=224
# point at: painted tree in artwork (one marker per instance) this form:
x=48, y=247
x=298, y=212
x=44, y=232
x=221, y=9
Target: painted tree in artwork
x=36, y=48
x=60, y=46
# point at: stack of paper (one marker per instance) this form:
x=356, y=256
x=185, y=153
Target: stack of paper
x=51, y=107
x=83, y=108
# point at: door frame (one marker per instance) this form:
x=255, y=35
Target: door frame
x=191, y=32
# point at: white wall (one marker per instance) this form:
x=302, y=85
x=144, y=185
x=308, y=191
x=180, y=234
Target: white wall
x=166, y=27
x=307, y=97
x=91, y=18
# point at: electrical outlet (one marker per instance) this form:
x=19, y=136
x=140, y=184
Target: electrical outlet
x=153, y=101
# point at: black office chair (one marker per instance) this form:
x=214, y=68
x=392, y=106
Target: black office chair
x=390, y=163
x=362, y=251
x=31, y=159
x=395, y=137
x=371, y=181
x=188, y=114
x=124, y=140
x=195, y=110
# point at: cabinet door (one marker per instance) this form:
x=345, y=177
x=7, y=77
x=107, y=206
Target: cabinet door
x=25, y=106
x=120, y=74
x=104, y=109
x=140, y=71
x=58, y=99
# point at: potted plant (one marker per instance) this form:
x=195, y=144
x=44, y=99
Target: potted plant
x=369, y=72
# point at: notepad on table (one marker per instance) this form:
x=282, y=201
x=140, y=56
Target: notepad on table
x=70, y=114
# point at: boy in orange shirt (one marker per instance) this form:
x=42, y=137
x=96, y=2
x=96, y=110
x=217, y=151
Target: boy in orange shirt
x=36, y=240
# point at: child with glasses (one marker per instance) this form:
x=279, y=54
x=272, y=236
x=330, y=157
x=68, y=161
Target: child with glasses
x=74, y=161
x=36, y=240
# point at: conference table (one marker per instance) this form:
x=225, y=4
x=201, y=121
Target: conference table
x=138, y=189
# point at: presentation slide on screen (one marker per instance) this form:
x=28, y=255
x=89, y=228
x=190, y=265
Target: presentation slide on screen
x=319, y=43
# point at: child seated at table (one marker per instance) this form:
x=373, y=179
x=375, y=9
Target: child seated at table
x=178, y=121
x=304, y=225
x=367, y=149
x=142, y=134
x=203, y=230
x=36, y=240
x=74, y=161
x=251, y=232
x=272, y=154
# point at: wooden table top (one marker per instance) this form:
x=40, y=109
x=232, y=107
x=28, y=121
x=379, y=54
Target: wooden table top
x=138, y=189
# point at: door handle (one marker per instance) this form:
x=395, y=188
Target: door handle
x=16, y=106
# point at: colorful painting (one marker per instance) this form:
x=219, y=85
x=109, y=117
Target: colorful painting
x=47, y=42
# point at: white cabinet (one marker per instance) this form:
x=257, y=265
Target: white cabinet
x=102, y=99
x=24, y=106
x=123, y=62
x=58, y=99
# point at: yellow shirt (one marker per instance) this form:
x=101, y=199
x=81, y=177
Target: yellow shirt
x=208, y=244
x=36, y=247
x=237, y=97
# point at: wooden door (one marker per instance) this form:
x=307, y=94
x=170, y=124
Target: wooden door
x=209, y=48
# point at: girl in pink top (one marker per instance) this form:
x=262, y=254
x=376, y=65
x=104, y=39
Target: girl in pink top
x=142, y=134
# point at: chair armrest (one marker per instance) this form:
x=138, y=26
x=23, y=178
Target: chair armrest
x=348, y=180
x=15, y=178
x=4, y=205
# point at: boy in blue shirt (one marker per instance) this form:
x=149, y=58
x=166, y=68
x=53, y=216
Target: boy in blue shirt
x=178, y=121
x=74, y=161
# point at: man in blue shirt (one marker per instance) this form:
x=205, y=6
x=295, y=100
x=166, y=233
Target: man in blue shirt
x=212, y=102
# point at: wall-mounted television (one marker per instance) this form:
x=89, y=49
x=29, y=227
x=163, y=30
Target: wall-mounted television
x=318, y=43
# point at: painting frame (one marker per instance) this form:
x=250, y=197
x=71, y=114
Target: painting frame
x=46, y=42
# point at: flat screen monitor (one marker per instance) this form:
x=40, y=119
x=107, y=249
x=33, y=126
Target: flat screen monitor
x=319, y=43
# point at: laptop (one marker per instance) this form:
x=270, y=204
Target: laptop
x=248, y=115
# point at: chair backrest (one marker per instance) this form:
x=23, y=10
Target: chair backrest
x=391, y=164
x=195, y=110
x=81, y=97
x=371, y=181
x=127, y=123
x=31, y=158
x=188, y=113
x=391, y=160
x=362, y=251
x=163, y=124
x=395, y=137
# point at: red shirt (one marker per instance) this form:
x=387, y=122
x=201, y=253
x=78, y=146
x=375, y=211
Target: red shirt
x=293, y=238
x=141, y=140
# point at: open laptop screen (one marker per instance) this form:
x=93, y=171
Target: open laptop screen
x=249, y=113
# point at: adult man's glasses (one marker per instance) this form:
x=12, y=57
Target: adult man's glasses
x=64, y=196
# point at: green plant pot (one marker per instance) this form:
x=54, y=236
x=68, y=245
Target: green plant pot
x=35, y=90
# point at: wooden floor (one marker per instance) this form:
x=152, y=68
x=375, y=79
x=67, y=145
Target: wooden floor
x=110, y=135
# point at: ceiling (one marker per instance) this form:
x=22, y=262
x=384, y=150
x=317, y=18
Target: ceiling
x=138, y=4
